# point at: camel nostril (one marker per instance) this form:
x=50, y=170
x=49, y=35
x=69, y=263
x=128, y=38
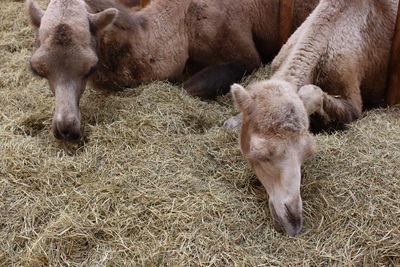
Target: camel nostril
x=295, y=219
x=67, y=130
x=73, y=136
x=290, y=218
x=57, y=134
x=275, y=221
x=64, y=131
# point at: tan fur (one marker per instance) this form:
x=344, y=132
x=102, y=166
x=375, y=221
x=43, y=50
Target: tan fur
x=343, y=48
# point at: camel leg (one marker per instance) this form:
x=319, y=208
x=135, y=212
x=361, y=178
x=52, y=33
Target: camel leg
x=335, y=111
x=340, y=111
x=214, y=80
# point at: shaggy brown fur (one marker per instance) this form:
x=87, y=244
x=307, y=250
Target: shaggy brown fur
x=189, y=30
x=336, y=61
x=62, y=35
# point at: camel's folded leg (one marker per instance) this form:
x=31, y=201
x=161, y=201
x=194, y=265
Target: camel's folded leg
x=241, y=57
x=334, y=110
x=214, y=80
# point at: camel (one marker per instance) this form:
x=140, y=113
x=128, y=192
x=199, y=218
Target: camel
x=332, y=67
x=111, y=46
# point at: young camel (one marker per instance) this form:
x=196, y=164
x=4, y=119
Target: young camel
x=335, y=63
x=112, y=46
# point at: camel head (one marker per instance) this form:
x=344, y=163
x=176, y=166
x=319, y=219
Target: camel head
x=66, y=56
x=275, y=141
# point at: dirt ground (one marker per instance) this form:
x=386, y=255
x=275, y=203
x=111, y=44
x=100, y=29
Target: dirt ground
x=159, y=182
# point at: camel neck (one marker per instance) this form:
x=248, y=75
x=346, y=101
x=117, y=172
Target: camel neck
x=310, y=44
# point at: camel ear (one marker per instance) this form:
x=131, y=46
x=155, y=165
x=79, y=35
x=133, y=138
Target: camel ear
x=102, y=19
x=241, y=98
x=35, y=13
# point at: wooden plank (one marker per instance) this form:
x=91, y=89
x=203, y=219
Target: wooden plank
x=393, y=90
x=286, y=10
x=144, y=3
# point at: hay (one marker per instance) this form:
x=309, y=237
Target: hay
x=158, y=182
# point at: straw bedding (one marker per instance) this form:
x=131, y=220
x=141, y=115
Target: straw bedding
x=159, y=182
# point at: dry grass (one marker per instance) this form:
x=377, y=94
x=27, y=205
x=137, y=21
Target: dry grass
x=158, y=182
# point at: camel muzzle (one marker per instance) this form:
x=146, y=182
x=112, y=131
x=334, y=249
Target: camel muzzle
x=67, y=128
x=290, y=218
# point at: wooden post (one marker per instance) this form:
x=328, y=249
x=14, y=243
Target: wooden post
x=144, y=3
x=286, y=10
x=393, y=90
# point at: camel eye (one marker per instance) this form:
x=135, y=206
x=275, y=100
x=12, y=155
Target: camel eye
x=37, y=72
x=91, y=71
x=267, y=153
x=260, y=156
